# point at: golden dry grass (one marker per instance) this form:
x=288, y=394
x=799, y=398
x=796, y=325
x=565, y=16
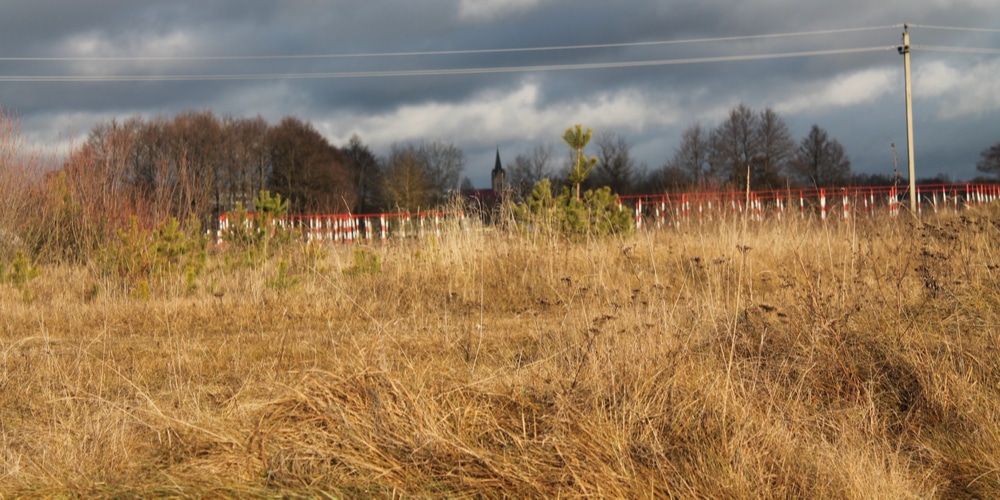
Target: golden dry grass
x=779, y=360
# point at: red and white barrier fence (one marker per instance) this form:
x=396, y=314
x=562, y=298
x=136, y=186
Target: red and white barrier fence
x=350, y=228
x=821, y=203
x=664, y=210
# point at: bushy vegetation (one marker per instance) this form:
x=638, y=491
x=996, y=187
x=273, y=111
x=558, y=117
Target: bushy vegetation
x=260, y=231
x=597, y=213
x=140, y=259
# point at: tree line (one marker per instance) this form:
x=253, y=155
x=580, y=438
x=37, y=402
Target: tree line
x=198, y=164
x=758, y=144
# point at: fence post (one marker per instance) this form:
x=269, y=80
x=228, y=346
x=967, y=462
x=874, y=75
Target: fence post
x=822, y=204
x=222, y=224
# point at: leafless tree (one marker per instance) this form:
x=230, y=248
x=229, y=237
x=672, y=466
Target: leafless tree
x=756, y=142
x=990, y=162
x=245, y=166
x=307, y=171
x=365, y=172
x=531, y=167
x=777, y=150
x=690, y=162
x=735, y=146
x=444, y=163
x=615, y=166
x=821, y=161
x=405, y=185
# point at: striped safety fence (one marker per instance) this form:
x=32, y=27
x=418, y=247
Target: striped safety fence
x=676, y=209
x=353, y=228
x=657, y=211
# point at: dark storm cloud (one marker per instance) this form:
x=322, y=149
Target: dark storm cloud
x=857, y=97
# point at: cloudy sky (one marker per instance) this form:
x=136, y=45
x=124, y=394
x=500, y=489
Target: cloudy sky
x=402, y=70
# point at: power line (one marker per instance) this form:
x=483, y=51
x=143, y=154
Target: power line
x=955, y=28
x=436, y=72
x=448, y=52
x=940, y=48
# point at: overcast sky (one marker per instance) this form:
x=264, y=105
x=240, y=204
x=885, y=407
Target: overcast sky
x=856, y=96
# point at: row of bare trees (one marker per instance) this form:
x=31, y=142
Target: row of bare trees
x=197, y=164
x=758, y=143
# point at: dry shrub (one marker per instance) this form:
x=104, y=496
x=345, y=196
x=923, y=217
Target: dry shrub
x=17, y=170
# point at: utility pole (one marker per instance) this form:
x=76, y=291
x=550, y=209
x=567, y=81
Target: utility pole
x=905, y=51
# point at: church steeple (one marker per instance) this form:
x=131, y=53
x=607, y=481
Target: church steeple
x=498, y=175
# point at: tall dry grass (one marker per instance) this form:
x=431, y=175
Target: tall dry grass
x=788, y=359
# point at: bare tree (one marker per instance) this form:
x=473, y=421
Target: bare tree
x=16, y=171
x=194, y=144
x=990, y=162
x=245, y=162
x=820, y=161
x=736, y=144
x=758, y=143
x=366, y=173
x=102, y=172
x=691, y=159
x=530, y=168
x=615, y=166
x=151, y=174
x=444, y=163
x=405, y=185
x=777, y=149
x=307, y=171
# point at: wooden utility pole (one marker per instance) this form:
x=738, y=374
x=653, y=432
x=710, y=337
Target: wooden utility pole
x=905, y=51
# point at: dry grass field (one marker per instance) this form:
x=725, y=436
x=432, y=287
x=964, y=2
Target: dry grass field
x=791, y=359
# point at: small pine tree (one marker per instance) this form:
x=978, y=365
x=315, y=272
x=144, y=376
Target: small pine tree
x=577, y=139
x=596, y=214
x=269, y=207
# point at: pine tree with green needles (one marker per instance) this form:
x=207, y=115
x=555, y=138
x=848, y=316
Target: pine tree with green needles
x=577, y=138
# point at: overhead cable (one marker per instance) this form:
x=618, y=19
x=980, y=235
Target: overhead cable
x=940, y=48
x=444, y=52
x=434, y=72
x=955, y=28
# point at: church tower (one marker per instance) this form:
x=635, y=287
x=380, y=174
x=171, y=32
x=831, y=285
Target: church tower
x=498, y=176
